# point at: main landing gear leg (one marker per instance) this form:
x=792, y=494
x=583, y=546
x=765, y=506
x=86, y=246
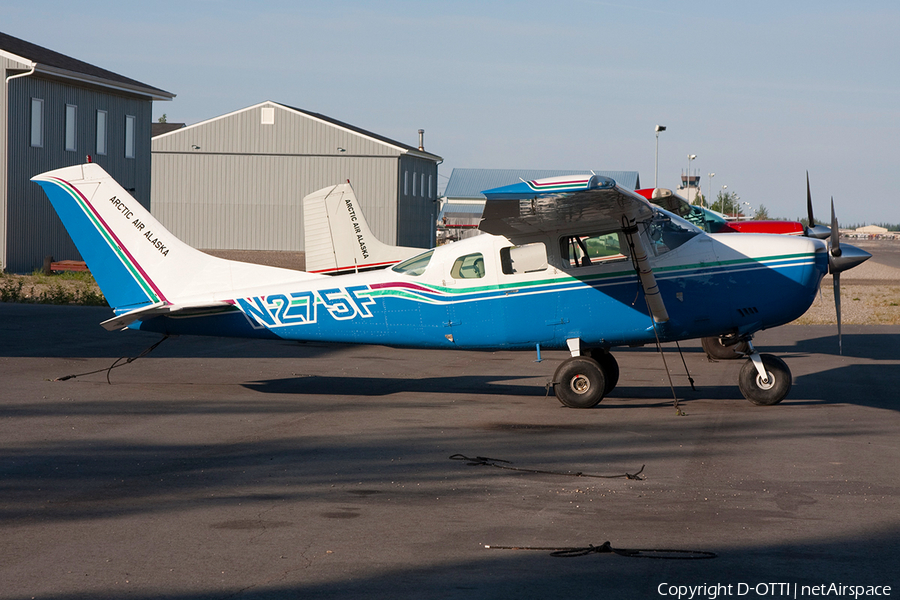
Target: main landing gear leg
x=583, y=381
x=765, y=379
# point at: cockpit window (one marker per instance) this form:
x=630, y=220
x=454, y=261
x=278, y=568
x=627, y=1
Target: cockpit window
x=528, y=258
x=591, y=249
x=668, y=231
x=414, y=266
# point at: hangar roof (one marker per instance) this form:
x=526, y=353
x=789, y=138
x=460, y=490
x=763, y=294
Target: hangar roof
x=53, y=63
x=364, y=132
x=396, y=146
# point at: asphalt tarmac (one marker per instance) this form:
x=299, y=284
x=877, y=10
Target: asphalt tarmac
x=217, y=468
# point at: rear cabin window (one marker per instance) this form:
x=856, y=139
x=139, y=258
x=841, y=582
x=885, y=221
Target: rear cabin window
x=470, y=266
x=591, y=249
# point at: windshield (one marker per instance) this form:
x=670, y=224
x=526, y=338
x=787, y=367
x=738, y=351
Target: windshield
x=414, y=266
x=668, y=231
x=712, y=222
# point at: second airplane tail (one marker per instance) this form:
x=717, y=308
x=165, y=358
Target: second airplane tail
x=337, y=238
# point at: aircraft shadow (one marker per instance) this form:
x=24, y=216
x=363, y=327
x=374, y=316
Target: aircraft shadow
x=50, y=331
x=880, y=344
x=384, y=386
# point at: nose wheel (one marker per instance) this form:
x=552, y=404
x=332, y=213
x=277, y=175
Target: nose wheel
x=764, y=379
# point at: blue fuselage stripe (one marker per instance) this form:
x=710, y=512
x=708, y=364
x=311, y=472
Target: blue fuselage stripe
x=605, y=311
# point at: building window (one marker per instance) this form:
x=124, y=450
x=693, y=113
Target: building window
x=430, y=188
x=406, y=183
x=37, y=122
x=414, y=184
x=71, y=120
x=129, y=136
x=101, y=132
x=423, y=185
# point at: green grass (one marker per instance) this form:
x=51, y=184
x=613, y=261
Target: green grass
x=67, y=287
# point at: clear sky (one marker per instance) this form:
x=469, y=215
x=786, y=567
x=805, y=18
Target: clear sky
x=760, y=91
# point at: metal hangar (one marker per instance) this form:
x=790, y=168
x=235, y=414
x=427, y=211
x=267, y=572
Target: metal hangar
x=236, y=182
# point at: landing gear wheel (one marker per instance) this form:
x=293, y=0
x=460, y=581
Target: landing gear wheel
x=715, y=349
x=609, y=366
x=579, y=382
x=765, y=393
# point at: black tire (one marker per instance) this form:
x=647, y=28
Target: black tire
x=765, y=394
x=579, y=382
x=716, y=350
x=610, y=368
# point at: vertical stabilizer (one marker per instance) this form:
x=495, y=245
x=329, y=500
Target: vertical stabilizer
x=136, y=261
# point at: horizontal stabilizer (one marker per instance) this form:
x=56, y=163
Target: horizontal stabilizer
x=161, y=308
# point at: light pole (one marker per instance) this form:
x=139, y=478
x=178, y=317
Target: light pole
x=656, y=171
x=688, y=180
x=749, y=207
x=709, y=187
x=725, y=200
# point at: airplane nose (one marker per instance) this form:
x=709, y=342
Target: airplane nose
x=846, y=257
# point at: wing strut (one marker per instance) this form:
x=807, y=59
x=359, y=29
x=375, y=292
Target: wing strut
x=645, y=273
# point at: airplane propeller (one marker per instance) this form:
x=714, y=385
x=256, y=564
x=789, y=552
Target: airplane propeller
x=820, y=232
x=840, y=259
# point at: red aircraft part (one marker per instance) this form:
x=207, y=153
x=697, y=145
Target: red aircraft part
x=779, y=227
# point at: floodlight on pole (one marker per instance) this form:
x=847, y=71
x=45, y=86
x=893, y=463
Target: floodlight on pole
x=709, y=187
x=656, y=171
x=687, y=182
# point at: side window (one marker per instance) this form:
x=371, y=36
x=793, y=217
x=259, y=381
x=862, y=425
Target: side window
x=129, y=135
x=592, y=249
x=470, y=266
x=414, y=266
x=101, y=132
x=71, y=122
x=37, y=122
x=523, y=259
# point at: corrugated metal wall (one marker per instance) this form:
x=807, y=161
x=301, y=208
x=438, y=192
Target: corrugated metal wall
x=254, y=202
x=5, y=65
x=236, y=183
x=33, y=229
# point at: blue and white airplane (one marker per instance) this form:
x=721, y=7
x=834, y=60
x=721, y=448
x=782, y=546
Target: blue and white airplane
x=574, y=263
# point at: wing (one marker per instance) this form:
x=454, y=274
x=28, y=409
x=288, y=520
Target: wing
x=559, y=204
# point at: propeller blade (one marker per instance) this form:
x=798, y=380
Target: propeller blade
x=840, y=259
x=835, y=234
x=809, y=211
x=820, y=232
x=837, y=308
